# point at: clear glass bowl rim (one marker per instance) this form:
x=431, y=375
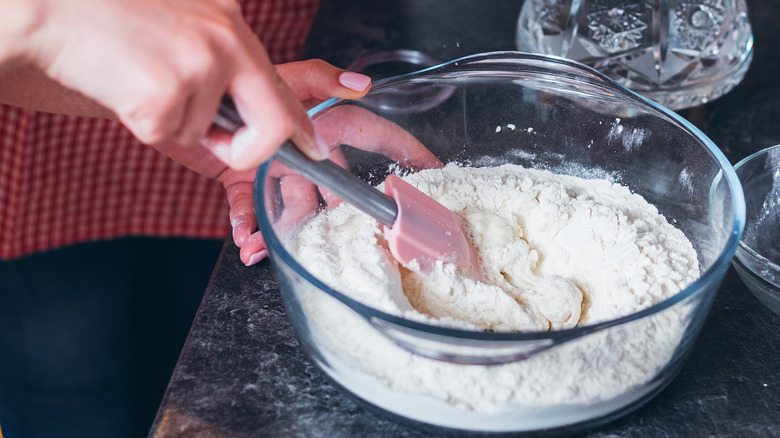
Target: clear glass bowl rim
x=742, y=246
x=707, y=279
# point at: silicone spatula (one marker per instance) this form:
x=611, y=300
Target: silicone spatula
x=415, y=226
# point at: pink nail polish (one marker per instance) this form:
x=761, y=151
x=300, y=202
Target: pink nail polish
x=354, y=81
x=256, y=257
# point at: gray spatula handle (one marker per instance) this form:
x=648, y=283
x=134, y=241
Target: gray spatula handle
x=325, y=173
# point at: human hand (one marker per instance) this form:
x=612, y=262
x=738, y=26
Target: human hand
x=346, y=125
x=161, y=67
x=312, y=82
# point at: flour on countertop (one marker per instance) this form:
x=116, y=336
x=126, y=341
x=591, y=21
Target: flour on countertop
x=556, y=251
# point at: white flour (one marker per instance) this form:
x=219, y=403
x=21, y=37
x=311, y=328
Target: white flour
x=557, y=251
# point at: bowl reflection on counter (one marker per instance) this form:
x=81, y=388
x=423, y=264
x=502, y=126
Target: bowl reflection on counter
x=539, y=112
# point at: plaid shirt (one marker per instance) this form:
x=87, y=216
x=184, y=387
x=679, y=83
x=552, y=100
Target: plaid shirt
x=66, y=179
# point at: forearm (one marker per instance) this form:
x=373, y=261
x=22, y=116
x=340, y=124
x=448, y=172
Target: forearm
x=21, y=82
x=18, y=22
x=27, y=87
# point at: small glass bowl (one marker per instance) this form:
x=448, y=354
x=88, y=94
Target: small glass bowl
x=757, y=259
x=541, y=112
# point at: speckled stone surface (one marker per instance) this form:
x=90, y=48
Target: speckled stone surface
x=242, y=372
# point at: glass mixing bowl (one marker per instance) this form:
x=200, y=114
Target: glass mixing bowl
x=540, y=112
x=757, y=259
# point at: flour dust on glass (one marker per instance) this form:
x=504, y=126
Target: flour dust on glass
x=680, y=53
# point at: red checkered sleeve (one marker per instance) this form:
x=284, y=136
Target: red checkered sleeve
x=67, y=179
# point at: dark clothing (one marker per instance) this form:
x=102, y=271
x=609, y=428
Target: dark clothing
x=90, y=333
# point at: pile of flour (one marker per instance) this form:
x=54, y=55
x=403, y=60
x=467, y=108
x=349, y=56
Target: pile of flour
x=556, y=251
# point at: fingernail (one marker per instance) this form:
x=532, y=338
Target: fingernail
x=331, y=200
x=245, y=139
x=256, y=257
x=354, y=81
x=322, y=147
x=219, y=149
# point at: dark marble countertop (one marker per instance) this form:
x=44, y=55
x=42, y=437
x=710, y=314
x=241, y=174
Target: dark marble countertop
x=242, y=373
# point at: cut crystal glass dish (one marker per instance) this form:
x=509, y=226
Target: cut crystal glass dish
x=678, y=53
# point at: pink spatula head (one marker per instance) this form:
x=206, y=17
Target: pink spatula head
x=425, y=230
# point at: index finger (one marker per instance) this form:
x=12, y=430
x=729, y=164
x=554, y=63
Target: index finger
x=271, y=114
